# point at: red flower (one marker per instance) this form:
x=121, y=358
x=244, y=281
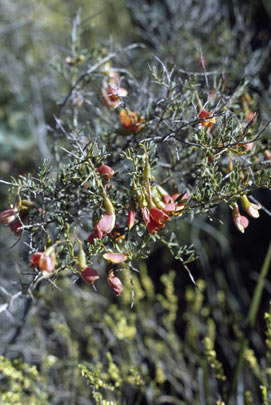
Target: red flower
x=95, y=234
x=36, y=259
x=154, y=219
x=106, y=171
x=114, y=283
x=205, y=120
x=250, y=116
x=158, y=216
x=131, y=121
x=146, y=215
x=45, y=261
x=89, y=275
x=16, y=227
x=105, y=225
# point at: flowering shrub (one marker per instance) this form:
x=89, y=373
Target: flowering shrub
x=184, y=153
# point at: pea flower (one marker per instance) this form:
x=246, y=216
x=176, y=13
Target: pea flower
x=131, y=219
x=89, y=275
x=106, y=223
x=112, y=92
x=115, y=258
x=9, y=216
x=154, y=219
x=250, y=208
x=45, y=261
x=205, y=120
x=106, y=171
x=173, y=207
x=114, y=282
x=131, y=121
x=241, y=222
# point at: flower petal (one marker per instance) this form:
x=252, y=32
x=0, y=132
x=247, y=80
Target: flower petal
x=106, y=223
x=114, y=257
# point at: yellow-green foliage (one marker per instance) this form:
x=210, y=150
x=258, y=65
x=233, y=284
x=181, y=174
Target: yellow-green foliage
x=170, y=301
x=248, y=398
x=252, y=362
x=128, y=351
x=23, y=384
x=216, y=366
x=194, y=306
x=264, y=395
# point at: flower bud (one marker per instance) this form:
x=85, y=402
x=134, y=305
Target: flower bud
x=131, y=219
x=81, y=257
x=26, y=205
x=89, y=275
x=108, y=205
x=147, y=169
x=114, y=283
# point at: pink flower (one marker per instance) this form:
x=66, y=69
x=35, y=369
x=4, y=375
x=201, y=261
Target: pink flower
x=114, y=283
x=89, y=275
x=106, y=171
x=171, y=207
x=241, y=222
x=131, y=219
x=112, y=92
x=9, y=216
x=45, y=261
x=106, y=224
x=114, y=257
x=250, y=116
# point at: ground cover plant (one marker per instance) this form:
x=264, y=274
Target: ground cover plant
x=147, y=149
